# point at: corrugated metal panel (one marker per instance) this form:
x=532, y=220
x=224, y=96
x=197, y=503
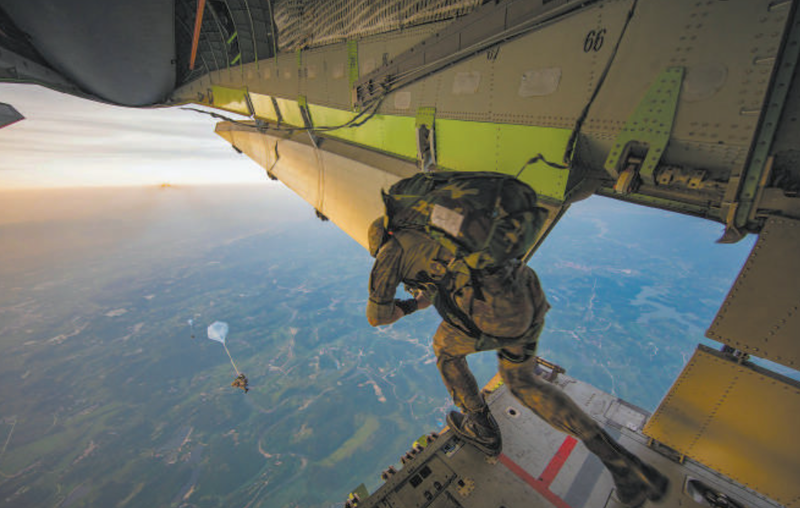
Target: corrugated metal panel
x=309, y=23
x=716, y=413
x=760, y=315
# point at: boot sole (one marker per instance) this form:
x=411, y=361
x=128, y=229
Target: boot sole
x=657, y=483
x=455, y=425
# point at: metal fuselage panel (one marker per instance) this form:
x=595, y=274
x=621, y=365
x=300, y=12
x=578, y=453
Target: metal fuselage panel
x=541, y=467
x=523, y=97
x=121, y=52
x=737, y=418
x=761, y=314
x=341, y=181
x=343, y=188
x=507, y=104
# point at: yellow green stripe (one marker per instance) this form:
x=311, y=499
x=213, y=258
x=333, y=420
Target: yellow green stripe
x=460, y=145
x=230, y=99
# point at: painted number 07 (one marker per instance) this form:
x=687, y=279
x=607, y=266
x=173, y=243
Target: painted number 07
x=594, y=40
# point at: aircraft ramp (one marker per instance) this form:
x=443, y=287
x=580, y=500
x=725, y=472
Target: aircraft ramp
x=542, y=467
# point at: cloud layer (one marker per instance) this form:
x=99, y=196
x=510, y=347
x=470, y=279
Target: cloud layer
x=71, y=142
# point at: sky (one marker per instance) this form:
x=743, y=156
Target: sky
x=70, y=142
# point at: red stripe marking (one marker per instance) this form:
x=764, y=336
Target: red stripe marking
x=557, y=462
x=542, y=484
x=537, y=485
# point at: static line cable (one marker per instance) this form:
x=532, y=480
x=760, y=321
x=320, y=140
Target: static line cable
x=539, y=157
x=357, y=121
x=576, y=130
x=277, y=158
x=477, y=47
x=232, y=362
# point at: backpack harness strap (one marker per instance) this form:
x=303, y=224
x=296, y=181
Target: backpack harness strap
x=457, y=318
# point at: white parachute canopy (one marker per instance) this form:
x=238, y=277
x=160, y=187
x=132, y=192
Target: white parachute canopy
x=217, y=331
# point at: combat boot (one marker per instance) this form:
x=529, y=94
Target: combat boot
x=635, y=481
x=478, y=428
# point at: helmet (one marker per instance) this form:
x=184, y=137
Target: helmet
x=377, y=235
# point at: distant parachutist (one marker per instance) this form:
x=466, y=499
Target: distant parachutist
x=191, y=326
x=241, y=383
x=218, y=331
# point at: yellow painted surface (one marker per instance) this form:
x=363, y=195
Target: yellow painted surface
x=737, y=420
x=504, y=148
x=347, y=191
x=387, y=133
x=255, y=148
x=230, y=99
x=290, y=111
x=264, y=109
x=460, y=145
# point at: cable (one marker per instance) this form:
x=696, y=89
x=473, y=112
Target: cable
x=537, y=158
x=573, y=137
x=370, y=111
x=372, y=107
x=515, y=31
x=232, y=363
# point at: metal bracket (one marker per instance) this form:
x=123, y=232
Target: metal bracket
x=770, y=116
x=352, y=68
x=465, y=486
x=426, y=138
x=554, y=369
x=250, y=107
x=732, y=233
x=736, y=355
x=490, y=25
x=704, y=495
x=648, y=129
x=628, y=179
x=356, y=496
x=305, y=113
x=688, y=178
x=277, y=109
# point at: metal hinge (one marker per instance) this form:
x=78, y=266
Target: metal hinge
x=647, y=131
x=550, y=371
x=628, y=179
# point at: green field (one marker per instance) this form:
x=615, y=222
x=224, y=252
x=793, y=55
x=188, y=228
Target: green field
x=113, y=403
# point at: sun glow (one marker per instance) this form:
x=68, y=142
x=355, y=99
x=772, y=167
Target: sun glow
x=69, y=142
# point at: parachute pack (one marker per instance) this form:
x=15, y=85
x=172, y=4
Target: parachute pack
x=483, y=218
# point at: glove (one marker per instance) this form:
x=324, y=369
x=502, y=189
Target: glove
x=407, y=306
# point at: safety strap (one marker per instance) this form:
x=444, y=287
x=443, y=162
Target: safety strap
x=457, y=318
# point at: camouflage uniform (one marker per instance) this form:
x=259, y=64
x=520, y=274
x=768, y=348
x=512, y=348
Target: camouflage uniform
x=513, y=306
x=505, y=312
